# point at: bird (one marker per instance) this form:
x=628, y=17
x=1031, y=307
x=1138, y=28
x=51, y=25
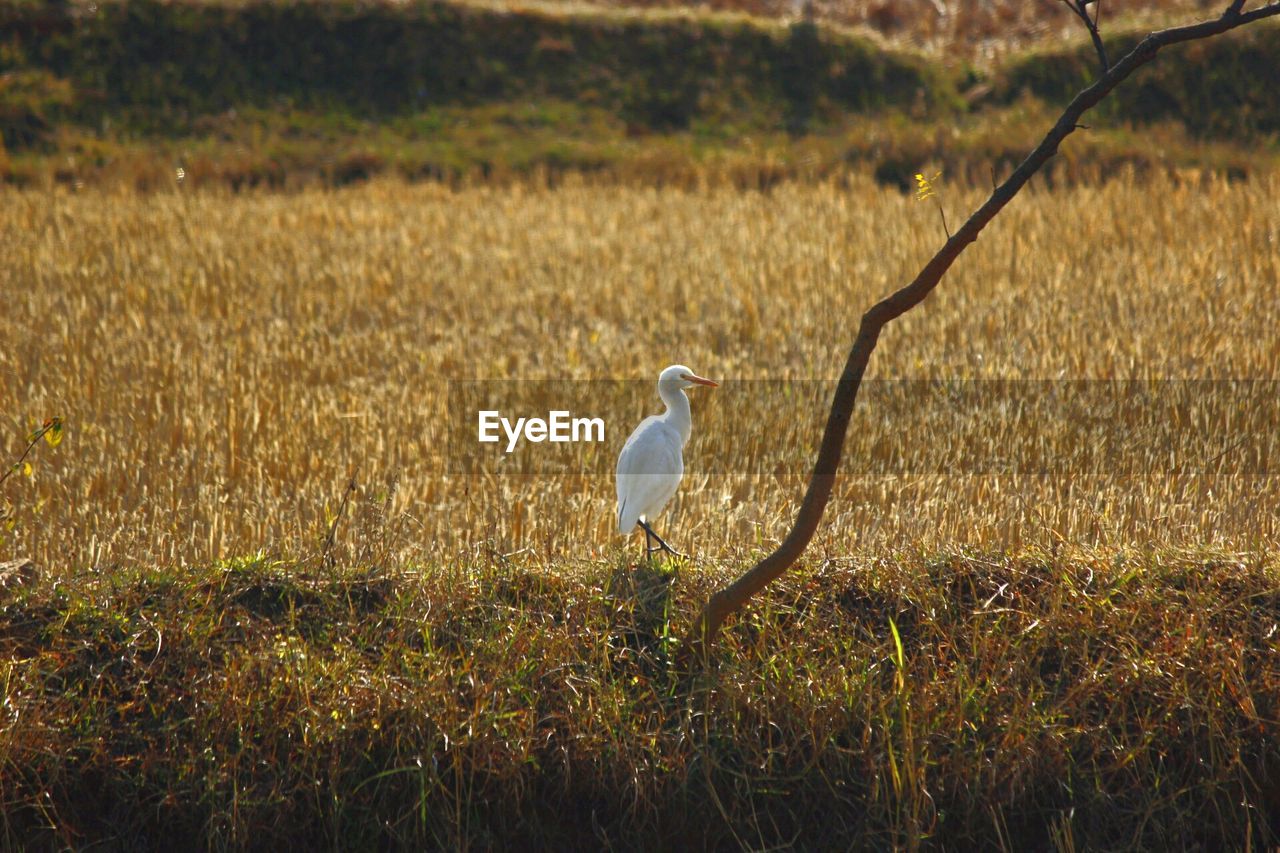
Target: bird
x=652, y=460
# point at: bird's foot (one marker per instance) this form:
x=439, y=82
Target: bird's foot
x=649, y=549
x=649, y=552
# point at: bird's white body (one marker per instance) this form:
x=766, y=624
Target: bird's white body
x=649, y=471
x=652, y=461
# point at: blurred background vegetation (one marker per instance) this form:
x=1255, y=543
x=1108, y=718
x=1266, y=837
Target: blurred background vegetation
x=290, y=93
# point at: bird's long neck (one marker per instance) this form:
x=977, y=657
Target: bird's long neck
x=677, y=414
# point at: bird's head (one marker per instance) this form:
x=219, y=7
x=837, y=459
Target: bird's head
x=677, y=376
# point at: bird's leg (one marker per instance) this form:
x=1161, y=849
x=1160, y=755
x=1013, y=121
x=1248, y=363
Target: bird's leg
x=649, y=536
x=663, y=545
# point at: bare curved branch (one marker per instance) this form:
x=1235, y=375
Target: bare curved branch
x=728, y=600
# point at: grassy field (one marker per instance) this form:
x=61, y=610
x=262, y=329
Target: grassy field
x=1082, y=653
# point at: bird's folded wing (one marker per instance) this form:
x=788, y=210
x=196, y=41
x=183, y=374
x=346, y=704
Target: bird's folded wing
x=654, y=448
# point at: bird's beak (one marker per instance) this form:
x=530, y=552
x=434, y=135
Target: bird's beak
x=698, y=380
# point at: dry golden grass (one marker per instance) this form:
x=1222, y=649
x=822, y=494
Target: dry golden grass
x=223, y=363
x=1084, y=658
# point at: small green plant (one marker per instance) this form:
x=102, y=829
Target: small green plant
x=51, y=432
x=926, y=188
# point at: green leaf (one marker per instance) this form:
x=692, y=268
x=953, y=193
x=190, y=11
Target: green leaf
x=897, y=642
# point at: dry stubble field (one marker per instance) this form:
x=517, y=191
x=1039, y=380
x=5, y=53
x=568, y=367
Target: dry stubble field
x=223, y=364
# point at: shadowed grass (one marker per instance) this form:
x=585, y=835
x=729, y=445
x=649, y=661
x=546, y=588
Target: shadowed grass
x=1127, y=702
x=547, y=142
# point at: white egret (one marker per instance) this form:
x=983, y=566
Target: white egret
x=652, y=462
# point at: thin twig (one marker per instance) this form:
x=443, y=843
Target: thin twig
x=943, y=214
x=1080, y=8
x=35, y=439
x=326, y=558
x=1230, y=447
